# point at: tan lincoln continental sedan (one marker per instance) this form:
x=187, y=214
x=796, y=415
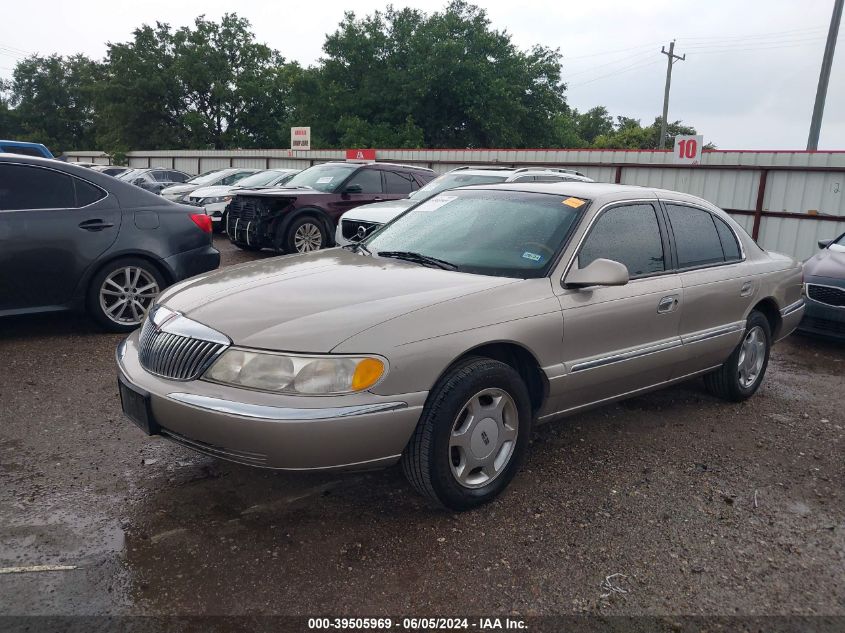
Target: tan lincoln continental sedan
x=443, y=337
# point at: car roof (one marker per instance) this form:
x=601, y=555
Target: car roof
x=378, y=164
x=598, y=192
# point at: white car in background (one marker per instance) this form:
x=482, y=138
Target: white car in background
x=360, y=222
x=216, y=198
x=177, y=193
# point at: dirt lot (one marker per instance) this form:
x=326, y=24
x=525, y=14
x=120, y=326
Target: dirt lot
x=704, y=507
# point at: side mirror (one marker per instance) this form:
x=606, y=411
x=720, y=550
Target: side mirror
x=601, y=272
x=825, y=243
x=353, y=188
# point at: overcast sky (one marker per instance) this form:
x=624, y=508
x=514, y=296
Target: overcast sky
x=748, y=82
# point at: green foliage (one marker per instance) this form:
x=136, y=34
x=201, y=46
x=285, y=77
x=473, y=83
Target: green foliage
x=396, y=78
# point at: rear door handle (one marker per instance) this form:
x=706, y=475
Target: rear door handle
x=667, y=304
x=95, y=225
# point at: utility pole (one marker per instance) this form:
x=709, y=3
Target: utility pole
x=824, y=76
x=670, y=54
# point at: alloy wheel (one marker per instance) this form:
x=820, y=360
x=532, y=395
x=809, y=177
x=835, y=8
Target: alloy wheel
x=483, y=438
x=752, y=355
x=127, y=294
x=307, y=238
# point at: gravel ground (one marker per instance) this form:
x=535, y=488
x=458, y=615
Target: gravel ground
x=703, y=507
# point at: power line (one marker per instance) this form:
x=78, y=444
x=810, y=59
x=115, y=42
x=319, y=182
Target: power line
x=626, y=60
x=614, y=73
x=755, y=36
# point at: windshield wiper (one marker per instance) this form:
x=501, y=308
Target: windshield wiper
x=355, y=246
x=419, y=258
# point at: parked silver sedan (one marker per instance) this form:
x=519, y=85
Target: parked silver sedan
x=440, y=340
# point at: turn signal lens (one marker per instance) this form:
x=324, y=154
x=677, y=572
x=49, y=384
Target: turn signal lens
x=367, y=373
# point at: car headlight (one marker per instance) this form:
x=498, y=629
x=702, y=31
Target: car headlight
x=215, y=200
x=287, y=373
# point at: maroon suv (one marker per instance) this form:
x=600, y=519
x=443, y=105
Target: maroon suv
x=301, y=216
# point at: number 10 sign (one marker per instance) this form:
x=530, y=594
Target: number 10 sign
x=688, y=149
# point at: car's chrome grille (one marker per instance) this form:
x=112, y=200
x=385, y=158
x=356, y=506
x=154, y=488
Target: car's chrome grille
x=827, y=294
x=350, y=229
x=175, y=356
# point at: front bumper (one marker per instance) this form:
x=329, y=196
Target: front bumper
x=353, y=432
x=215, y=211
x=823, y=320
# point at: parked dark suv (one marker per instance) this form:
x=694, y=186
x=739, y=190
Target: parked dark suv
x=301, y=216
x=73, y=238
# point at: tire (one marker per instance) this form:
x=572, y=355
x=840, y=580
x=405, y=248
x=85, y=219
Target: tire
x=305, y=235
x=109, y=301
x=741, y=375
x=439, y=469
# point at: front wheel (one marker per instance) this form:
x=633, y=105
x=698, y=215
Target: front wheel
x=472, y=436
x=305, y=235
x=740, y=376
x=122, y=292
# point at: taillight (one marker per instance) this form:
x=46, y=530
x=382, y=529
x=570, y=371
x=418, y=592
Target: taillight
x=203, y=221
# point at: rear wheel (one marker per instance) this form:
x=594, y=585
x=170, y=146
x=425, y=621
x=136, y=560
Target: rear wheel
x=305, y=235
x=740, y=376
x=472, y=436
x=122, y=292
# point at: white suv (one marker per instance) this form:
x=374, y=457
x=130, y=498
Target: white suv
x=361, y=221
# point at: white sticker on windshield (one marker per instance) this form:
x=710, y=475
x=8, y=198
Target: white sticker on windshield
x=324, y=180
x=534, y=257
x=435, y=203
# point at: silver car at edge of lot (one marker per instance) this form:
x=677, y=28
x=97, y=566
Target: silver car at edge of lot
x=229, y=176
x=363, y=221
x=824, y=288
x=443, y=338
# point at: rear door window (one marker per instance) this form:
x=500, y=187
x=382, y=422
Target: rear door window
x=696, y=238
x=629, y=234
x=27, y=187
x=396, y=182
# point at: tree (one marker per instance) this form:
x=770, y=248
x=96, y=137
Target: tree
x=593, y=123
x=463, y=83
x=53, y=101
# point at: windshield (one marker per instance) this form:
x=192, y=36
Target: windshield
x=208, y=177
x=260, y=179
x=325, y=177
x=450, y=181
x=127, y=175
x=483, y=231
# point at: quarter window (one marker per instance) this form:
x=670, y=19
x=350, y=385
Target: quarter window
x=728, y=239
x=629, y=235
x=696, y=237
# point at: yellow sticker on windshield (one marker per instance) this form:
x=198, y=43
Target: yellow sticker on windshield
x=573, y=202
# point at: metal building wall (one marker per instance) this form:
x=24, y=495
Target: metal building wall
x=779, y=197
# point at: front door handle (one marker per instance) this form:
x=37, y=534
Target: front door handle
x=95, y=225
x=377, y=199
x=667, y=304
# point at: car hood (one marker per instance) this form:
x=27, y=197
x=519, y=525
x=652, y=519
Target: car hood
x=379, y=212
x=174, y=189
x=209, y=192
x=315, y=301
x=827, y=263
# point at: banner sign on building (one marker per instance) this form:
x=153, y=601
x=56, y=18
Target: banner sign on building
x=688, y=150
x=300, y=138
x=361, y=155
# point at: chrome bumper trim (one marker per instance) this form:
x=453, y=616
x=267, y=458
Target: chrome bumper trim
x=792, y=307
x=281, y=414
